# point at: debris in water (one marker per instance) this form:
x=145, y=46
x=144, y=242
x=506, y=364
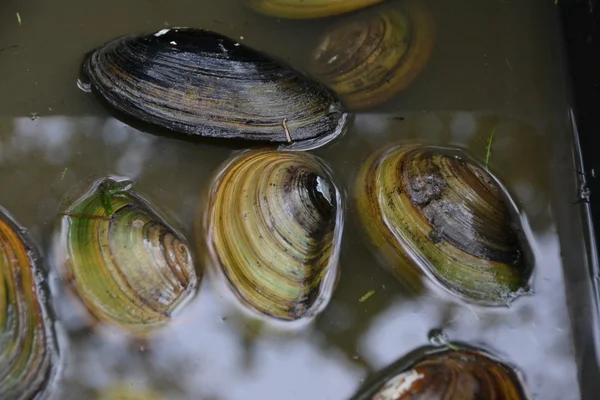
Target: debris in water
x=438, y=337
x=14, y=46
x=366, y=296
x=33, y=115
x=19, y=19
x=489, y=148
x=63, y=174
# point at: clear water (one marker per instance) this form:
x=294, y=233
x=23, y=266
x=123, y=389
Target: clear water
x=496, y=63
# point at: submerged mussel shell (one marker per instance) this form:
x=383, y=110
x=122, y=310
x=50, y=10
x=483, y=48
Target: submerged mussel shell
x=370, y=57
x=272, y=230
x=28, y=348
x=124, y=391
x=301, y=9
x=433, y=210
x=128, y=265
x=460, y=373
x=200, y=83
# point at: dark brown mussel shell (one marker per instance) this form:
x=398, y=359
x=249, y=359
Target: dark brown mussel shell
x=200, y=83
x=457, y=373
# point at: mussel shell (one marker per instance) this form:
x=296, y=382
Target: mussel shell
x=272, y=231
x=197, y=82
x=461, y=373
x=129, y=266
x=434, y=210
x=28, y=347
x=370, y=57
x=301, y=9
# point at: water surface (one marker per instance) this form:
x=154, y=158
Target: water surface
x=494, y=66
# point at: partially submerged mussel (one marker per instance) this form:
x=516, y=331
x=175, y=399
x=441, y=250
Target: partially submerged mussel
x=200, y=83
x=128, y=265
x=370, y=57
x=434, y=210
x=302, y=9
x=28, y=349
x=271, y=229
x=459, y=373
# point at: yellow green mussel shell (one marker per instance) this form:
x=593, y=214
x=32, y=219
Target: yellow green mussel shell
x=306, y=9
x=129, y=266
x=272, y=230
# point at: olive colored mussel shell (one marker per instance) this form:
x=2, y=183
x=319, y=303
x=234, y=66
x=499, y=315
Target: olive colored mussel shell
x=128, y=266
x=368, y=58
x=200, y=83
x=272, y=230
x=431, y=209
x=28, y=349
x=458, y=374
x=305, y=9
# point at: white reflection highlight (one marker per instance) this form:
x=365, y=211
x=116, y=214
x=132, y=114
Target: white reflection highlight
x=371, y=127
x=115, y=132
x=533, y=329
x=208, y=347
x=463, y=126
x=50, y=135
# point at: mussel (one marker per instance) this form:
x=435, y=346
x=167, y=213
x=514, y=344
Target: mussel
x=200, y=83
x=435, y=210
x=460, y=373
x=129, y=266
x=28, y=347
x=301, y=9
x=370, y=57
x=271, y=229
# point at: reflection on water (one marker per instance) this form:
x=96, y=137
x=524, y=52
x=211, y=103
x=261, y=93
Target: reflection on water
x=55, y=138
x=207, y=353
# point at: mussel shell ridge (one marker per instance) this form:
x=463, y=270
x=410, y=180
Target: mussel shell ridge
x=272, y=232
x=197, y=82
x=461, y=373
x=369, y=58
x=28, y=347
x=129, y=266
x=300, y=9
x=433, y=210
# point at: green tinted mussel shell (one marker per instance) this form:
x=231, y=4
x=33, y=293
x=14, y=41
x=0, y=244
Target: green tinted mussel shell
x=272, y=229
x=459, y=373
x=28, y=348
x=200, y=83
x=125, y=262
x=433, y=210
x=305, y=9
